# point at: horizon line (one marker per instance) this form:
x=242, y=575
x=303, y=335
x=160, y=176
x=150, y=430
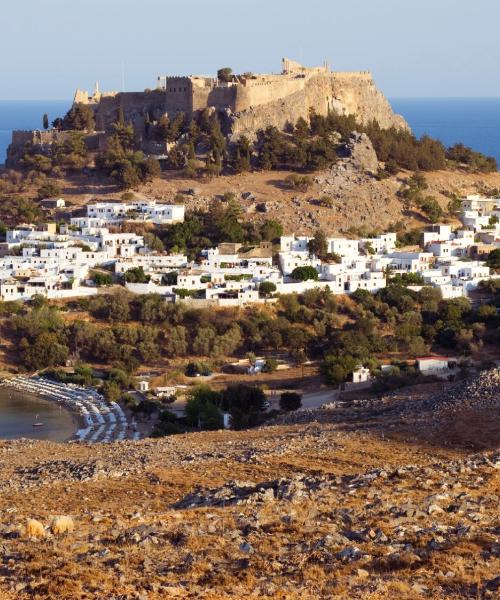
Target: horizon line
x=387, y=96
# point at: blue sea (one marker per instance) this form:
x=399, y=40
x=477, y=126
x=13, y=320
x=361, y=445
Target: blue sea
x=26, y=114
x=473, y=121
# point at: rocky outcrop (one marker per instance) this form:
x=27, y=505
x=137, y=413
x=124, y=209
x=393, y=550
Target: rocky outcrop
x=344, y=93
x=360, y=153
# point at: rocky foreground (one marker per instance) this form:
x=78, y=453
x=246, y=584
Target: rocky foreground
x=370, y=502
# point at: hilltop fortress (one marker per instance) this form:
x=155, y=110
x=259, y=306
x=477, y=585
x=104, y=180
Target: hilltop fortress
x=245, y=104
x=251, y=102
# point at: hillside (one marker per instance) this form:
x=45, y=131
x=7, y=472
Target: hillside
x=362, y=501
x=359, y=199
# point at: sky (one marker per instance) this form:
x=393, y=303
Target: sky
x=415, y=48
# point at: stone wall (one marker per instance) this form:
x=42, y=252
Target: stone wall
x=42, y=142
x=249, y=104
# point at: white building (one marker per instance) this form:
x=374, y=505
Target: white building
x=141, y=210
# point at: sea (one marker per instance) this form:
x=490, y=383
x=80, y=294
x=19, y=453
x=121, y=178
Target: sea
x=18, y=412
x=473, y=121
x=26, y=114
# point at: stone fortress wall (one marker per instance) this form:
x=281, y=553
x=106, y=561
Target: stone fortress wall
x=249, y=103
x=253, y=101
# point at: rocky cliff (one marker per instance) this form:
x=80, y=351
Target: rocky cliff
x=344, y=93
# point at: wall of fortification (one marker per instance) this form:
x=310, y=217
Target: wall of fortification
x=256, y=92
x=179, y=95
x=135, y=106
x=43, y=140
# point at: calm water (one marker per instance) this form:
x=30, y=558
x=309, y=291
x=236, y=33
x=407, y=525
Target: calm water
x=473, y=121
x=18, y=412
x=26, y=114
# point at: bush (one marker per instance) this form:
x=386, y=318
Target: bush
x=49, y=189
x=266, y=288
x=304, y=273
x=290, y=401
x=101, y=278
x=270, y=365
x=245, y=403
x=298, y=182
x=136, y=275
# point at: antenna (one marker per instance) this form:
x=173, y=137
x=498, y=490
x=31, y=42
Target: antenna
x=123, y=76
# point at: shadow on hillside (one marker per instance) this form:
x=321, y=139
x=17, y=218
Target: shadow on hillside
x=467, y=430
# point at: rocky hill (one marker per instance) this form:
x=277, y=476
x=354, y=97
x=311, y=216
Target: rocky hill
x=359, y=502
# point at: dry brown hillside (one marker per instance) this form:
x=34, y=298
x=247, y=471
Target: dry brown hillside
x=359, y=199
x=374, y=500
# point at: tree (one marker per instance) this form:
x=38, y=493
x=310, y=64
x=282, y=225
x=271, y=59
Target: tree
x=176, y=341
x=118, y=307
x=111, y=390
x=101, y=278
x=202, y=408
x=318, y=245
x=245, y=403
x=336, y=369
x=266, y=288
x=45, y=121
x=153, y=242
x=49, y=189
x=304, y=273
x=431, y=209
x=271, y=230
x=290, y=401
x=136, y=275
x=225, y=74
x=80, y=117
x=46, y=350
x=242, y=155
x=493, y=260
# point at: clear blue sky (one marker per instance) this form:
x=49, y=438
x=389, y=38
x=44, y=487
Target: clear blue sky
x=414, y=47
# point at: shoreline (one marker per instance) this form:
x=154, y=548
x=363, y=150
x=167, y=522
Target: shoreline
x=76, y=421
x=94, y=419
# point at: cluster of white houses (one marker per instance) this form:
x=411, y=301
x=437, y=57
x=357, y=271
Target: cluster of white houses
x=57, y=261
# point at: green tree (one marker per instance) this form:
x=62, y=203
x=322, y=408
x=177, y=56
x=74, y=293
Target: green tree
x=266, y=288
x=290, y=401
x=225, y=74
x=80, y=117
x=336, y=369
x=100, y=278
x=304, y=273
x=136, y=275
x=245, y=404
x=493, y=260
x=318, y=245
x=202, y=408
x=176, y=341
x=271, y=230
x=49, y=189
x=45, y=121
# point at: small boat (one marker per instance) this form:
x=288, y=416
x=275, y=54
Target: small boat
x=37, y=423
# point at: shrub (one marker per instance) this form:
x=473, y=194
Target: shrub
x=304, y=273
x=266, y=288
x=290, y=401
x=298, y=182
x=101, y=278
x=49, y=189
